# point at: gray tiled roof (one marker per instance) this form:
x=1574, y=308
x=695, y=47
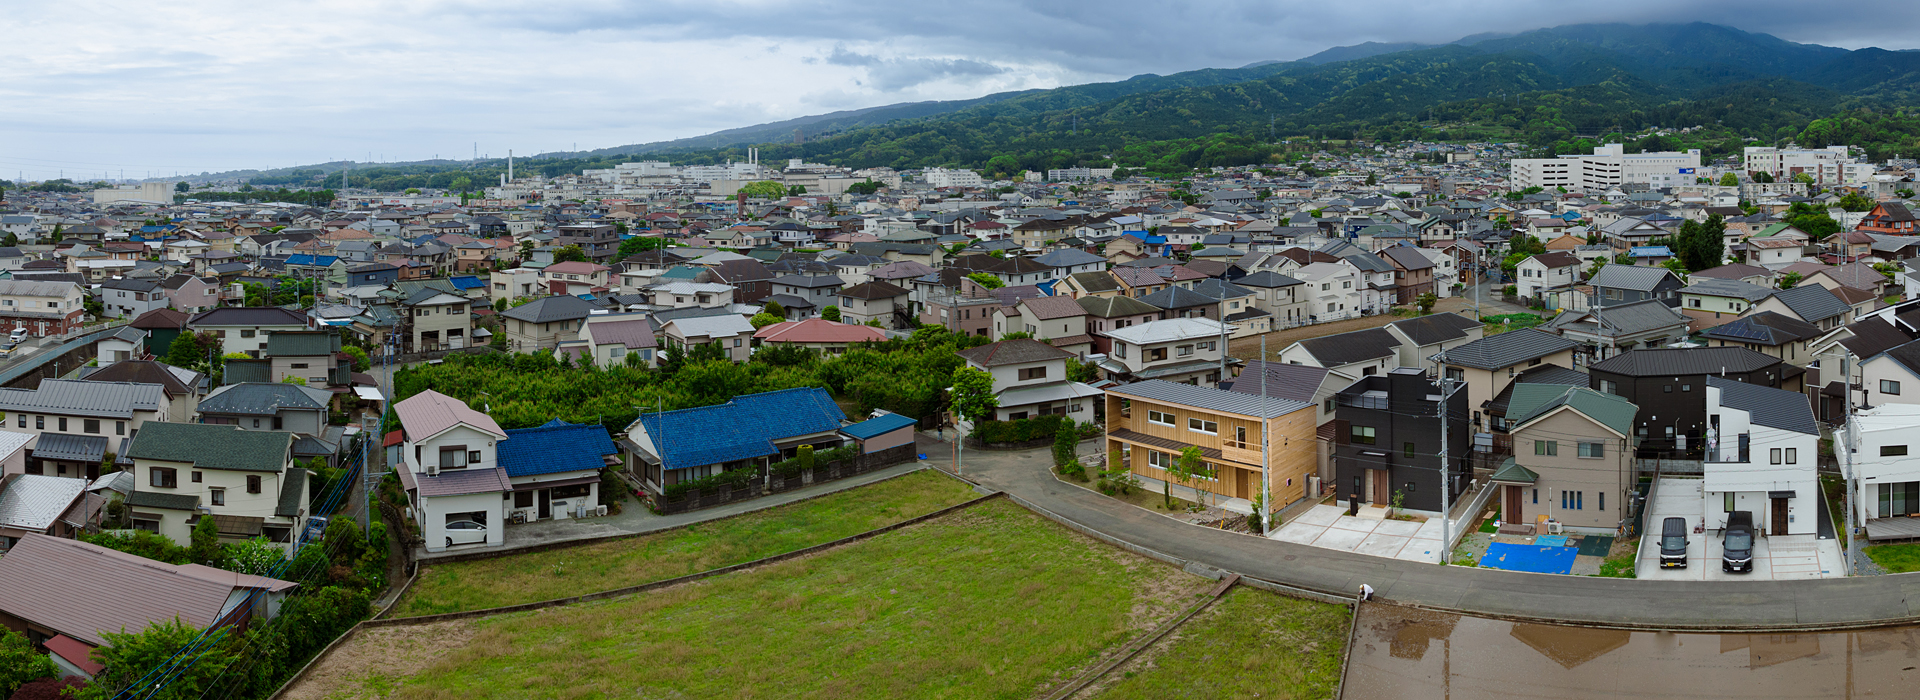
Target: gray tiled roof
x=1774, y=408
x=82, y=398
x=1733, y=289
x=1016, y=351
x=264, y=399
x=1507, y=349
x=1351, y=347
x=1209, y=398
x=1436, y=328
x=1267, y=279
x=1283, y=381
x=549, y=309
x=1178, y=298
x=1644, y=279
x=1684, y=361
x=1812, y=302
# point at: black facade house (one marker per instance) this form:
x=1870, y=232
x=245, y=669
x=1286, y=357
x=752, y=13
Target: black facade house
x=1669, y=385
x=1387, y=441
x=1626, y=284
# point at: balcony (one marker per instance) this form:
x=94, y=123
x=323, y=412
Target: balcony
x=1736, y=453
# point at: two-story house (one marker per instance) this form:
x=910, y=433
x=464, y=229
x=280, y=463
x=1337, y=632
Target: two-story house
x=1058, y=321
x=680, y=294
x=1279, y=295
x=544, y=323
x=575, y=277
x=291, y=408
x=1766, y=332
x=244, y=329
x=612, y=338
x=888, y=303
x=731, y=332
x=1361, y=353
x=1388, y=438
x=180, y=389
x=1546, y=271
x=1107, y=313
x=1413, y=273
x=40, y=307
x=1030, y=379
x=129, y=298
x=1614, y=285
x=1606, y=331
x=450, y=469
x=1707, y=301
x=1190, y=350
x=1422, y=337
x=1150, y=424
x=245, y=480
x=190, y=293
x=1885, y=470
x=1811, y=303
x=1762, y=456
x=1669, y=387
x=1572, y=458
x=79, y=421
x=1486, y=366
x=437, y=320
x=805, y=296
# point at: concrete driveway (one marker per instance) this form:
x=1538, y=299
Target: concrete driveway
x=1777, y=558
x=1329, y=527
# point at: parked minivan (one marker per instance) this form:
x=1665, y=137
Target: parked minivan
x=1673, y=543
x=1736, y=550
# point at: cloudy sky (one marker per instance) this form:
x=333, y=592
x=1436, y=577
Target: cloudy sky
x=93, y=89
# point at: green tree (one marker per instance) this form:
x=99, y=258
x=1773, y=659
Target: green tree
x=56, y=235
x=1425, y=302
x=1811, y=220
x=361, y=362
x=831, y=313
x=774, y=307
x=570, y=253
x=181, y=186
x=462, y=184
x=864, y=188
x=258, y=556
x=1189, y=467
x=1066, y=442
x=1790, y=280
x=290, y=379
x=1802, y=178
x=640, y=244
x=972, y=394
x=764, y=189
x=1122, y=173
x=1854, y=201
x=1701, y=245
x=763, y=319
x=20, y=663
x=130, y=656
x=986, y=279
x=1729, y=180
x=204, y=547
x=1763, y=177
x=796, y=190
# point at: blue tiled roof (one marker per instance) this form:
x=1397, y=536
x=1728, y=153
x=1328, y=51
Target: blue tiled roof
x=314, y=260
x=742, y=428
x=555, y=447
x=874, y=427
x=467, y=282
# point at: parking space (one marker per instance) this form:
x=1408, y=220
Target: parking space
x=1776, y=558
x=1330, y=527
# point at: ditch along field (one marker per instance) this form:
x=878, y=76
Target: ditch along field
x=991, y=601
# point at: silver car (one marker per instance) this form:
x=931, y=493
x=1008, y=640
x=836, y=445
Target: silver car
x=466, y=532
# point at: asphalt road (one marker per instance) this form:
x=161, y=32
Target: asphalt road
x=1671, y=605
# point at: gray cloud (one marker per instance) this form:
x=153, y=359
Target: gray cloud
x=219, y=84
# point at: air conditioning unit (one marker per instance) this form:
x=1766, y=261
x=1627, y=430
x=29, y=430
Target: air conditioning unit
x=1553, y=527
x=433, y=470
x=602, y=510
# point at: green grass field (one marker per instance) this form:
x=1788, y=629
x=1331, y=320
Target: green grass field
x=990, y=602
x=1895, y=558
x=533, y=577
x=1252, y=644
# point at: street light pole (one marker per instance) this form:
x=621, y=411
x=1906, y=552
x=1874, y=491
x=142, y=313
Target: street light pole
x=1447, y=389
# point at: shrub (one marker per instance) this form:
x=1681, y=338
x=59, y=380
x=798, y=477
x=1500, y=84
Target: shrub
x=1019, y=430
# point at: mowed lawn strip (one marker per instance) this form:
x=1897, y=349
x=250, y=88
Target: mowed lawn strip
x=1895, y=558
x=1252, y=644
x=989, y=602
x=571, y=571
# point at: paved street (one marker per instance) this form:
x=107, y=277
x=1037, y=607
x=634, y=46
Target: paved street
x=1736, y=604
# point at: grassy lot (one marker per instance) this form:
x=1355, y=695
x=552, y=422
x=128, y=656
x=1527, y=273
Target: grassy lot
x=537, y=576
x=1253, y=644
x=1895, y=558
x=1620, y=562
x=990, y=602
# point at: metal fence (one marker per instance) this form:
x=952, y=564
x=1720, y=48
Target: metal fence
x=820, y=474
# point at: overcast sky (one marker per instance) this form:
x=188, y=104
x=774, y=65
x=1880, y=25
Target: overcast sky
x=95, y=88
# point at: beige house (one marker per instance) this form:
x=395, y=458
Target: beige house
x=438, y=321
x=1188, y=350
x=875, y=301
x=1488, y=365
x=244, y=329
x=514, y=284
x=1030, y=379
x=243, y=479
x=731, y=332
x=1572, y=459
x=544, y=323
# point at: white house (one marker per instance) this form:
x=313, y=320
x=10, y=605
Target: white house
x=1886, y=462
x=1763, y=451
x=1030, y=379
x=450, y=467
x=1546, y=271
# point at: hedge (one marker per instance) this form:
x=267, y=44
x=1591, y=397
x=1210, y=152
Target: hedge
x=1020, y=430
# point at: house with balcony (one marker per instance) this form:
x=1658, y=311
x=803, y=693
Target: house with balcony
x=1572, y=459
x=40, y=307
x=1388, y=440
x=1488, y=365
x=1151, y=423
x=1279, y=295
x=1669, y=385
x=1607, y=331
x=449, y=466
x=1332, y=291
x=1422, y=337
x=1762, y=455
x=1709, y=301
x=544, y=323
x=245, y=480
x=575, y=277
x=1190, y=350
x=1030, y=379
x=1057, y=321
x=80, y=421
x=1888, y=475
x=435, y=320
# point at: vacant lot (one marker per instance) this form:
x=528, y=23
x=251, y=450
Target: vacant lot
x=990, y=602
x=533, y=577
x=1895, y=558
x=1252, y=644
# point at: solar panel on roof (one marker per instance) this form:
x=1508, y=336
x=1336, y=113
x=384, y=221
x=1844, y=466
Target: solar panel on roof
x=1743, y=330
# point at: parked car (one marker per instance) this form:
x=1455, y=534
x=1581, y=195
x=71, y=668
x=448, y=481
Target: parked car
x=1736, y=550
x=466, y=532
x=1673, y=543
x=316, y=526
x=6, y=350
x=19, y=334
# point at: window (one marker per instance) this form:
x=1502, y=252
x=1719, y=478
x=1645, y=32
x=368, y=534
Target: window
x=1033, y=373
x=1696, y=303
x=119, y=427
x=1185, y=350
x=453, y=457
x=1593, y=450
x=1773, y=456
x=253, y=483
x=1893, y=450
x=1536, y=496
x=1240, y=436
x=1455, y=374
x=1159, y=460
x=1406, y=450
x=1363, y=435
x=1572, y=500
x=1203, y=426
x=1546, y=448
x=1668, y=389
x=1726, y=502
x=1686, y=387
x=299, y=365
x=1602, y=496
x=1120, y=350
x=1608, y=387
x=63, y=424
x=246, y=334
x=473, y=456
x=90, y=426
x=1889, y=386
x=217, y=497
x=1159, y=418
x=1793, y=455
x=163, y=477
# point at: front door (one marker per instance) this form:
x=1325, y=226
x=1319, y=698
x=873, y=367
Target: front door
x=1382, y=486
x=546, y=504
x=1511, y=513
x=1246, y=490
x=1779, y=510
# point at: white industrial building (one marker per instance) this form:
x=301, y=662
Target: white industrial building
x=1609, y=166
x=1832, y=165
x=942, y=177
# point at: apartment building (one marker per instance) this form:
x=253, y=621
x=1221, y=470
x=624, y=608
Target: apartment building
x=41, y=307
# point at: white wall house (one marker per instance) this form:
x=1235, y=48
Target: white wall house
x=1763, y=449
x=1886, y=461
x=450, y=467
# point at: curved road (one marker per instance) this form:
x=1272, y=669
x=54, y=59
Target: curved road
x=1671, y=605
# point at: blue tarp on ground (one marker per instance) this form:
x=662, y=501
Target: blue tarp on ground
x=1551, y=540
x=1529, y=557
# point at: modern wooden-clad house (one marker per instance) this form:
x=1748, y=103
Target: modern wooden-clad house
x=1149, y=424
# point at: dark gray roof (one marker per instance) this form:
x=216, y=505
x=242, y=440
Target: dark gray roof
x=1874, y=336
x=1351, y=347
x=1112, y=307
x=1267, y=279
x=1812, y=302
x=1436, y=328
x=1095, y=281
x=1178, y=298
x=1644, y=279
x=1283, y=381
x=1684, y=361
x=1622, y=319
x=549, y=309
x=74, y=397
x=264, y=399
x=1735, y=289
x=1507, y=349
x=1209, y=398
x=248, y=316
x=88, y=449
x=1220, y=289
x=1016, y=351
x=1766, y=328
x=1774, y=408
x=1408, y=257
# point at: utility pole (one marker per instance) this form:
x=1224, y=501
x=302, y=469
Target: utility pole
x=1266, y=484
x=1447, y=389
x=1845, y=448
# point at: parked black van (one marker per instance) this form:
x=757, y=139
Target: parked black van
x=1673, y=543
x=1736, y=549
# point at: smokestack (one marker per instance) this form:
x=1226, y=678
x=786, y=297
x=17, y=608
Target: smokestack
x=509, y=166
